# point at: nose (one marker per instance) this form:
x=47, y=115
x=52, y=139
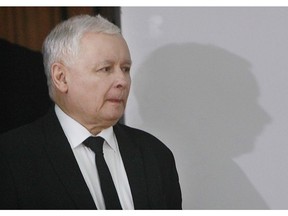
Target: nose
x=122, y=79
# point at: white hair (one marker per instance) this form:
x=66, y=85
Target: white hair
x=62, y=43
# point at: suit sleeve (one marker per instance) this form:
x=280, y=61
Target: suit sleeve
x=172, y=186
x=164, y=165
x=8, y=198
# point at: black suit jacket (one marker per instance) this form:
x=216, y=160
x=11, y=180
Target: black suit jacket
x=39, y=171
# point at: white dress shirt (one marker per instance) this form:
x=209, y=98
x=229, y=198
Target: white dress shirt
x=85, y=157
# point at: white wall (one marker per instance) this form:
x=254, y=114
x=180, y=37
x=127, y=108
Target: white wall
x=212, y=84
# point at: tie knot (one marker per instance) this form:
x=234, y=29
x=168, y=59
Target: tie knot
x=95, y=144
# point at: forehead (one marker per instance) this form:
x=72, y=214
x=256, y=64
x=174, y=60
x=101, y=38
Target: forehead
x=102, y=44
x=102, y=39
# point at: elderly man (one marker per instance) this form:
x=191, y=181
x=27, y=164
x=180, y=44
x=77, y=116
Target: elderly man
x=78, y=156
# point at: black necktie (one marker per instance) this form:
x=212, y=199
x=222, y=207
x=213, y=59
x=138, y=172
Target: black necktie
x=107, y=186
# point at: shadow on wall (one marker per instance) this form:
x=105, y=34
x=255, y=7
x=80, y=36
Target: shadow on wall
x=201, y=101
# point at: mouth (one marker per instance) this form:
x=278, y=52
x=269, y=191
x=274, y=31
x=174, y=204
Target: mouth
x=114, y=100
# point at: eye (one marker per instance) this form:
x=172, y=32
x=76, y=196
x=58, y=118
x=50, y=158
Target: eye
x=105, y=69
x=126, y=69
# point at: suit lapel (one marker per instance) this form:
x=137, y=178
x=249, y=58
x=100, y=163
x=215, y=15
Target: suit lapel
x=65, y=164
x=66, y=167
x=134, y=167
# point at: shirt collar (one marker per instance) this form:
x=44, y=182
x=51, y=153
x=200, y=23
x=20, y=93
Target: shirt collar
x=76, y=133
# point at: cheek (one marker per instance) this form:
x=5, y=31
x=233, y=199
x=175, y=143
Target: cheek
x=129, y=82
x=127, y=94
x=85, y=92
x=76, y=82
x=128, y=85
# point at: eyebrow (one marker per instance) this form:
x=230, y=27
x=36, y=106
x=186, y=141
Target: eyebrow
x=108, y=62
x=127, y=61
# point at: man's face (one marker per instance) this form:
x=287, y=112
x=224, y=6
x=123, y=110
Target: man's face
x=99, y=81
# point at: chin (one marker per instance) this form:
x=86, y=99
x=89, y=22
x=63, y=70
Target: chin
x=114, y=119
x=113, y=115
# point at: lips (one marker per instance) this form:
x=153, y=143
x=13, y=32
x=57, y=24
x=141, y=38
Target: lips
x=114, y=100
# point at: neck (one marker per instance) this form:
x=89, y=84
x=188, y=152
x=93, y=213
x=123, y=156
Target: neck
x=94, y=126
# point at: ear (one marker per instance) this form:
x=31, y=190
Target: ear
x=58, y=76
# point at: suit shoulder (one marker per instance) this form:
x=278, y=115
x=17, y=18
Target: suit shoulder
x=144, y=139
x=24, y=129
x=136, y=133
x=17, y=137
